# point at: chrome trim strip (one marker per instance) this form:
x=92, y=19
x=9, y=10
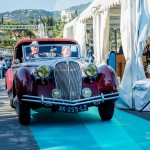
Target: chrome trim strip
x=48, y=101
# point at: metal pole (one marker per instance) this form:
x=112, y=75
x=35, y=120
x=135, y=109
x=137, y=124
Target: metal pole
x=115, y=39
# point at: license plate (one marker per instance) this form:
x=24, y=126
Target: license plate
x=72, y=109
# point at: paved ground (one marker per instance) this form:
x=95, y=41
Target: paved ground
x=144, y=114
x=13, y=136
x=63, y=131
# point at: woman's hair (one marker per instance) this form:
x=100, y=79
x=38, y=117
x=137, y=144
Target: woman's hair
x=65, y=47
x=87, y=45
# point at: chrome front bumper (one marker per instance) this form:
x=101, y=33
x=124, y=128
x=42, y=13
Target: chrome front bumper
x=95, y=100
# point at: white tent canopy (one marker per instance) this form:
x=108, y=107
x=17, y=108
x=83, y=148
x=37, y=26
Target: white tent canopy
x=68, y=31
x=135, y=18
x=96, y=5
x=109, y=3
x=80, y=33
x=134, y=25
x=76, y=29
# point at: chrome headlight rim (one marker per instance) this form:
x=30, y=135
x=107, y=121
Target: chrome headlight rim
x=54, y=94
x=86, y=92
x=43, y=71
x=91, y=68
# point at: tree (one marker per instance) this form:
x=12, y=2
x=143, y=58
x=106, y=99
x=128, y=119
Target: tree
x=29, y=34
x=36, y=22
x=9, y=33
x=76, y=13
x=41, y=19
x=31, y=20
x=47, y=20
x=2, y=20
x=51, y=19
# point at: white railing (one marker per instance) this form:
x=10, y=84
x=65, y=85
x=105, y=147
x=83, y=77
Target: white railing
x=6, y=52
x=40, y=27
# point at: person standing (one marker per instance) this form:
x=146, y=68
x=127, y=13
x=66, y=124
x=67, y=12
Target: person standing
x=2, y=66
x=89, y=58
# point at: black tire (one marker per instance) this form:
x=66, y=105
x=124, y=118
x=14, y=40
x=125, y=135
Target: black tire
x=12, y=95
x=11, y=103
x=106, y=110
x=24, y=114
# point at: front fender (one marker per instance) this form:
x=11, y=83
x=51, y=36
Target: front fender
x=9, y=80
x=107, y=80
x=24, y=83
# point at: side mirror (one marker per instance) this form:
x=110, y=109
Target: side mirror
x=16, y=61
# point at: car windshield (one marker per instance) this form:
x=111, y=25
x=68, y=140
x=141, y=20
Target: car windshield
x=50, y=51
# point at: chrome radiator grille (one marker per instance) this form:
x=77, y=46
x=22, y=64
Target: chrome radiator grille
x=68, y=79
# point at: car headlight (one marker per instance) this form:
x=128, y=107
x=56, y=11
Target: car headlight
x=86, y=92
x=56, y=93
x=91, y=70
x=43, y=71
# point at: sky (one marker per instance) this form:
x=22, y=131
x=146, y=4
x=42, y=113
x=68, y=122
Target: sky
x=50, y=5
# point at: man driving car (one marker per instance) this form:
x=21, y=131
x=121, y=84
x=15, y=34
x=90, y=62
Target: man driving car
x=34, y=46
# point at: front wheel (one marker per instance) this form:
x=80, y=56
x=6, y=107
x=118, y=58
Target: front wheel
x=24, y=114
x=106, y=110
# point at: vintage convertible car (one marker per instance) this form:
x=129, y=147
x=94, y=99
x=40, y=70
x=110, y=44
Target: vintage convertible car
x=65, y=84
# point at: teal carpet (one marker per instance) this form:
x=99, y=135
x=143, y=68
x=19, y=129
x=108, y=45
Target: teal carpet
x=86, y=131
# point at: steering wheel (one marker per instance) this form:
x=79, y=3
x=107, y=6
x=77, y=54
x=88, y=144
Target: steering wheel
x=42, y=55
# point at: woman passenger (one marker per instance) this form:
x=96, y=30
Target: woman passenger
x=66, y=51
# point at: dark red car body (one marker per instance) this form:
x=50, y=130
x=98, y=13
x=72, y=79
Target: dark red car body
x=27, y=90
